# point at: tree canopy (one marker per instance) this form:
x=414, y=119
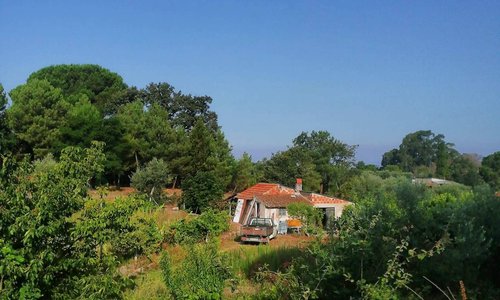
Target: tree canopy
x=73, y=105
x=426, y=154
x=102, y=87
x=183, y=110
x=5, y=133
x=490, y=170
x=37, y=113
x=324, y=163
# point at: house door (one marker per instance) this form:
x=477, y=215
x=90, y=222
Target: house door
x=328, y=217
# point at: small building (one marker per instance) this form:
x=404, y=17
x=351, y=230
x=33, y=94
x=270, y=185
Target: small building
x=432, y=182
x=270, y=200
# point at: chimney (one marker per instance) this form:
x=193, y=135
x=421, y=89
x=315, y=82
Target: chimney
x=298, y=185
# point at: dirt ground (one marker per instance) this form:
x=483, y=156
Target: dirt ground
x=229, y=240
x=114, y=192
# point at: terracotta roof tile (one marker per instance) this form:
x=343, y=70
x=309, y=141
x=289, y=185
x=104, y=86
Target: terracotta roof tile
x=283, y=200
x=264, y=189
x=280, y=196
x=322, y=199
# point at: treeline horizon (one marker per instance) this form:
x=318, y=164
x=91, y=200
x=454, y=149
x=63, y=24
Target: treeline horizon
x=73, y=105
x=71, y=127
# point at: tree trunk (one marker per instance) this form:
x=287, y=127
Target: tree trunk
x=136, y=162
x=175, y=182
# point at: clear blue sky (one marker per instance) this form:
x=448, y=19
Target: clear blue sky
x=369, y=72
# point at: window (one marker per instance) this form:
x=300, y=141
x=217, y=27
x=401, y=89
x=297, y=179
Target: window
x=282, y=212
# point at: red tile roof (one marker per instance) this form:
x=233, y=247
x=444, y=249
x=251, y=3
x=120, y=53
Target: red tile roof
x=322, y=199
x=264, y=189
x=283, y=200
x=284, y=196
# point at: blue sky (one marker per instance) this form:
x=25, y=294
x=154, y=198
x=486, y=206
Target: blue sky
x=369, y=72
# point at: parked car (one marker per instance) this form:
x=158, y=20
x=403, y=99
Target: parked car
x=259, y=230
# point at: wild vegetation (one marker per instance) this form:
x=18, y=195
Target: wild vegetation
x=73, y=128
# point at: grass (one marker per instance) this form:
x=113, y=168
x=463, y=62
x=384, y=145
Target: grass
x=148, y=286
x=246, y=261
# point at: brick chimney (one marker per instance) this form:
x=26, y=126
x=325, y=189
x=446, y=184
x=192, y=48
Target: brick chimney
x=298, y=185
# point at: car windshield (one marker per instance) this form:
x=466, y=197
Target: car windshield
x=261, y=222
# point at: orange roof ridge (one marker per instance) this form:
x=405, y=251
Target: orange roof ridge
x=257, y=189
x=275, y=189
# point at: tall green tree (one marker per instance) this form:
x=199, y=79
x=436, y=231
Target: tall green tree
x=6, y=138
x=160, y=135
x=464, y=169
x=37, y=114
x=391, y=158
x=490, y=170
x=285, y=166
x=325, y=163
x=132, y=119
x=102, y=87
x=224, y=158
x=147, y=134
x=420, y=149
x=332, y=158
x=183, y=110
x=209, y=152
x=245, y=173
x=84, y=123
x=202, y=191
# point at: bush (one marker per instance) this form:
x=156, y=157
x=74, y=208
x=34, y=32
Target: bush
x=126, y=224
x=307, y=214
x=152, y=179
x=208, y=224
x=390, y=240
x=201, y=275
x=143, y=237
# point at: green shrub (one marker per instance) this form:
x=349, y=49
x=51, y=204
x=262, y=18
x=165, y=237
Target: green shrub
x=308, y=215
x=126, y=224
x=209, y=223
x=152, y=179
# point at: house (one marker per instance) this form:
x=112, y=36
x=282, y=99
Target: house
x=432, y=182
x=270, y=200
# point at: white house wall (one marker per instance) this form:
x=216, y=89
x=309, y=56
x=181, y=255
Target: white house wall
x=339, y=208
x=273, y=213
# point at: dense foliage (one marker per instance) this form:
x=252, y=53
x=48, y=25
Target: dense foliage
x=309, y=216
x=325, y=163
x=398, y=239
x=202, y=191
x=5, y=133
x=41, y=255
x=123, y=228
x=426, y=154
x=490, y=170
x=70, y=127
x=101, y=87
x=201, y=228
x=72, y=105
